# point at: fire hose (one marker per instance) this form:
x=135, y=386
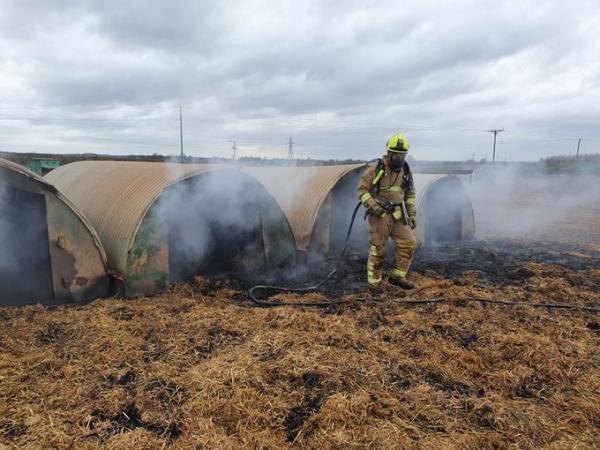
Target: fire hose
x=266, y=303
x=497, y=302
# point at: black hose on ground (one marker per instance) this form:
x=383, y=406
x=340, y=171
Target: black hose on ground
x=497, y=302
x=266, y=303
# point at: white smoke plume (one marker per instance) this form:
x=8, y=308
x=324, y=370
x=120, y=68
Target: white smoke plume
x=520, y=201
x=215, y=223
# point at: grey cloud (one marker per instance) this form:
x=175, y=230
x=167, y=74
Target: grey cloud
x=137, y=86
x=178, y=26
x=260, y=71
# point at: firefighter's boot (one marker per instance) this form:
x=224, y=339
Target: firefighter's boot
x=375, y=290
x=402, y=282
x=398, y=278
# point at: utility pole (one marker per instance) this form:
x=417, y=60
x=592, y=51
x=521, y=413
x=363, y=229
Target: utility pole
x=495, y=131
x=234, y=147
x=578, y=145
x=181, y=134
x=291, y=148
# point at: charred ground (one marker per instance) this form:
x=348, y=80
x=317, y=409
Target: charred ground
x=498, y=262
x=200, y=367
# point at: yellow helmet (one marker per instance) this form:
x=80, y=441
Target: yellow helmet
x=397, y=144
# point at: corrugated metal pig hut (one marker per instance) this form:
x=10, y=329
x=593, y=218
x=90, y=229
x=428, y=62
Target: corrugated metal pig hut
x=162, y=223
x=49, y=252
x=318, y=202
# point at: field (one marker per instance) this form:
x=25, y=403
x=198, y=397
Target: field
x=201, y=367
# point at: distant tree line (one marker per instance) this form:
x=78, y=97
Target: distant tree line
x=25, y=158
x=582, y=164
x=594, y=157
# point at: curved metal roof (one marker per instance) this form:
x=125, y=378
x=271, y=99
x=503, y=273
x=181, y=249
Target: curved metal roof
x=300, y=192
x=115, y=196
x=47, y=185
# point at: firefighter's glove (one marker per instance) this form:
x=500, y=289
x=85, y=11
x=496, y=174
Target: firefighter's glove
x=374, y=208
x=412, y=221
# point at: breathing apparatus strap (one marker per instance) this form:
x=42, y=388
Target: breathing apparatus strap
x=406, y=176
x=379, y=171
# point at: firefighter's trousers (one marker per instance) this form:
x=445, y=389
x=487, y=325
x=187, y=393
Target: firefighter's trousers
x=380, y=229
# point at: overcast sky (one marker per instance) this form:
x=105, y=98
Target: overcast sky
x=340, y=77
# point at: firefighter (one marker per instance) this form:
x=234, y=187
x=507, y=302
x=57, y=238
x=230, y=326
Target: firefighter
x=387, y=190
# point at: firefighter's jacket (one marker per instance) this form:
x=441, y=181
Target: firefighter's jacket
x=383, y=185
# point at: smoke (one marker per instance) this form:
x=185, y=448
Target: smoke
x=8, y=255
x=6, y=258
x=296, y=189
x=521, y=201
x=215, y=223
x=288, y=184
x=216, y=219
x=25, y=271
x=344, y=200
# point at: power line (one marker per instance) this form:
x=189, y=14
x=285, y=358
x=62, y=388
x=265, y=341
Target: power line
x=291, y=148
x=495, y=131
x=181, y=133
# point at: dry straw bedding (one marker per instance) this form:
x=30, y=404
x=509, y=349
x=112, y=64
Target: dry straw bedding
x=202, y=369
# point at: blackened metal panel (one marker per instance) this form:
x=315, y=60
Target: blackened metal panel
x=148, y=259
x=319, y=242
x=278, y=238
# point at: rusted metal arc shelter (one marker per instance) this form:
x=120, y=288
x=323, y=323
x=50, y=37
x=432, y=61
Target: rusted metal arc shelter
x=50, y=252
x=318, y=202
x=150, y=242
